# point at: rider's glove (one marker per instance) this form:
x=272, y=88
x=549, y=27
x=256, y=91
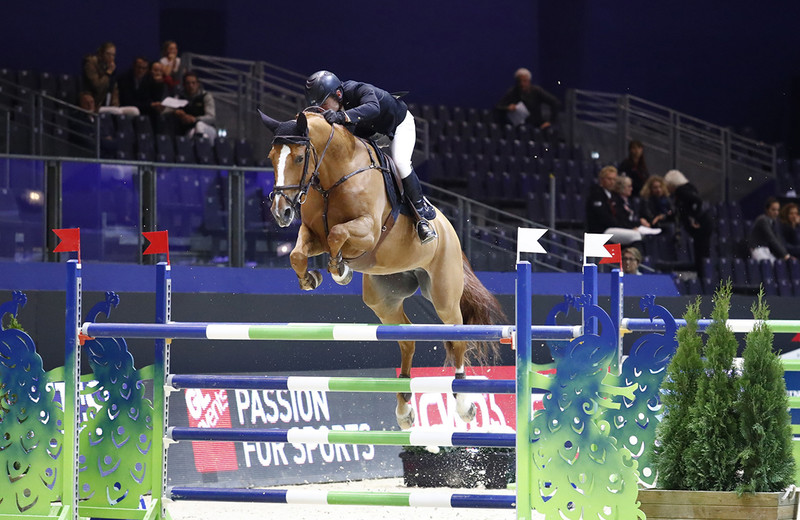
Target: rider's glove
x=334, y=117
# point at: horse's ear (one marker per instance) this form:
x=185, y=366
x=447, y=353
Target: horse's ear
x=302, y=124
x=270, y=123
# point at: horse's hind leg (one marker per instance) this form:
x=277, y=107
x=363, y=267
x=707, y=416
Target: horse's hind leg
x=443, y=287
x=385, y=295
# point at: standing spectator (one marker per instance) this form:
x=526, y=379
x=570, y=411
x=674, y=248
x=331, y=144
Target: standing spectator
x=199, y=114
x=134, y=86
x=631, y=260
x=765, y=235
x=171, y=63
x=790, y=228
x=100, y=79
x=605, y=212
x=691, y=213
x=635, y=166
x=523, y=103
x=656, y=208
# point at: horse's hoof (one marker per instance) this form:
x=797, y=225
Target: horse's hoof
x=343, y=275
x=407, y=421
x=312, y=280
x=469, y=414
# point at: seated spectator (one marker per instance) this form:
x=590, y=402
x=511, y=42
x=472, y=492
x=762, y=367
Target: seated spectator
x=171, y=64
x=99, y=78
x=83, y=127
x=691, y=213
x=635, y=166
x=655, y=207
x=605, y=212
x=134, y=86
x=523, y=103
x=630, y=205
x=790, y=228
x=631, y=260
x=158, y=91
x=765, y=238
x=199, y=114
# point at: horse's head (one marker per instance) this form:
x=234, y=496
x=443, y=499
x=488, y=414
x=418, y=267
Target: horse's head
x=290, y=154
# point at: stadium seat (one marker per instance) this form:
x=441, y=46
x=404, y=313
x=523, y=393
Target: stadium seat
x=184, y=151
x=223, y=151
x=243, y=153
x=165, y=149
x=145, y=147
x=203, y=150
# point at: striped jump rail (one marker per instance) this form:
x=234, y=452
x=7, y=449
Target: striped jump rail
x=418, y=385
x=324, y=436
x=321, y=331
x=736, y=325
x=347, y=498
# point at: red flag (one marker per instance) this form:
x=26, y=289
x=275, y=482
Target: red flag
x=70, y=241
x=159, y=243
x=796, y=338
x=616, y=255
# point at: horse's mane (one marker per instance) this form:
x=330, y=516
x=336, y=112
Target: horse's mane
x=319, y=130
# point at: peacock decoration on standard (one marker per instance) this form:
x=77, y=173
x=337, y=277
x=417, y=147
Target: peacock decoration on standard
x=119, y=425
x=646, y=367
x=579, y=468
x=31, y=422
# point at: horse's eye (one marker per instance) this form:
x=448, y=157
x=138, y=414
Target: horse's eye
x=299, y=159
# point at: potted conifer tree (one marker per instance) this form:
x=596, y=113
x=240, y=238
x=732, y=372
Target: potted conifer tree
x=723, y=448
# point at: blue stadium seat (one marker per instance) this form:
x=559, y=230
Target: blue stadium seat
x=142, y=125
x=145, y=147
x=753, y=271
x=184, y=151
x=125, y=146
x=223, y=151
x=202, y=149
x=68, y=88
x=242, y=153
x=48, y=84
x=165, y=149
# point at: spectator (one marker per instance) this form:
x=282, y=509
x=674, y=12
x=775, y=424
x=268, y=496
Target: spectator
x=635, y=166
x=631, y=259
x=691, y=213
x=84, y=126
x=765, y=235
x=158, y=91
x=134, y=86
x=523, y=103
x=199, y=114
x=99, y=78
x=630, y=205
x=171, y=63
x=790, y=228
x=605, y=212
x=656, y=208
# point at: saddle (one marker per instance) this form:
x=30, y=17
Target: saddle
x=391, y=180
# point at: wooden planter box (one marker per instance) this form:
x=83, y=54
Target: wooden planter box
x=660, y=504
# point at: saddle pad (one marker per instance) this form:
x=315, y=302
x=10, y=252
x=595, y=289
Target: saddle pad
x=390, y=179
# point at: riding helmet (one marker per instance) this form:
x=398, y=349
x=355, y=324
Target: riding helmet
x=320, y=85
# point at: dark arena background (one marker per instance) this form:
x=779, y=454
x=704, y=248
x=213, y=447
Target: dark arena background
x=710, y=88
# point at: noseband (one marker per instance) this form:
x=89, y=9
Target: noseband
x=306, y=180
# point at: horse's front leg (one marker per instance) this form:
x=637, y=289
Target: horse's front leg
x=358, y=235
x=307, y=245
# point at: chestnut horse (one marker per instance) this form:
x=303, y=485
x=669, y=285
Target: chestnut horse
x=335, y=178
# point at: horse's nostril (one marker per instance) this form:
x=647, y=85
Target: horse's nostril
x=287, y=213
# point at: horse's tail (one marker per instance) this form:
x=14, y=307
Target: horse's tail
x=480, y=307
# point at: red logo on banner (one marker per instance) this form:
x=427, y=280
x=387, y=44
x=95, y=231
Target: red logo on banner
x=496, y=412
x=210, y=409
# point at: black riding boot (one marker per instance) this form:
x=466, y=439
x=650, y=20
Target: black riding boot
x=423, y=209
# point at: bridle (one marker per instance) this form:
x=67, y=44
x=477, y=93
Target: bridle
x=312, y=180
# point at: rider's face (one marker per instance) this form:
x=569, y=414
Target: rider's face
x=331, y=103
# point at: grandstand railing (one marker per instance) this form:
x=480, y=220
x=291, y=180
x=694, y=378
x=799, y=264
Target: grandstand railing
x=245, y=85
x=723, y=164
x=246, y=233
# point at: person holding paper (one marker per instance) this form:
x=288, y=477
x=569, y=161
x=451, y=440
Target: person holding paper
x=198, y=113
x=523, y=103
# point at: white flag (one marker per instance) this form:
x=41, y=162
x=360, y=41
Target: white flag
x=528, y=240
x=593, y=245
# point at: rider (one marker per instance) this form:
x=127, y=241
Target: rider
x=370, y=110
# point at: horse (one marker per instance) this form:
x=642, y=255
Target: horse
x=336, y=180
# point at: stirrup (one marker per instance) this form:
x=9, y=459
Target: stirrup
x=425, y=231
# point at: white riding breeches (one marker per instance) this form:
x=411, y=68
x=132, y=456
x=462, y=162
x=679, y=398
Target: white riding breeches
x=402, y=147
